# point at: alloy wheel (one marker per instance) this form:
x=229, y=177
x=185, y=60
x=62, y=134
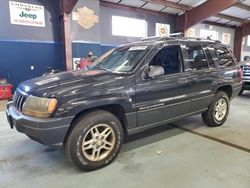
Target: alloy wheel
x=98, y=142
x=220, y=109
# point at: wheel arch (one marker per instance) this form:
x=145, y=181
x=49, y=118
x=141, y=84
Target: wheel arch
x=227, y=89
x=116, y=109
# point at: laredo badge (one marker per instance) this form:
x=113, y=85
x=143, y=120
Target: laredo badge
x=85, y=17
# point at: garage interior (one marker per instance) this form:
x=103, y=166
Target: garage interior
x=185, y=153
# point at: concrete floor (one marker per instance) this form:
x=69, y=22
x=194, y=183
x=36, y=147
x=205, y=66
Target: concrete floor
x=3, y=104
x=182, y=154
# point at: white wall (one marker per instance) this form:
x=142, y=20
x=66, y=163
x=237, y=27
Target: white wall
x=218, y=29
x=245, y=49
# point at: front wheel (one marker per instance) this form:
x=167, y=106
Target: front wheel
x=217, y=112
x=94, y=141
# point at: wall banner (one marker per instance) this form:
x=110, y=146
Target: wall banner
x=190, y=32
x=26, y=14
x=226, y=38
x=162, y=29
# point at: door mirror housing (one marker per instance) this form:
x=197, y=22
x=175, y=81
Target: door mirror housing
x=153, y=71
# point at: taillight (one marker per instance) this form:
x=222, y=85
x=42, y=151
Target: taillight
x=241, y=73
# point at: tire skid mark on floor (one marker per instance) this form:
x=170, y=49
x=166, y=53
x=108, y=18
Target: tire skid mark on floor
x=212, y=138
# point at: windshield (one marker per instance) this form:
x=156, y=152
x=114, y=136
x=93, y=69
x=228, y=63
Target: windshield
x=123, y=59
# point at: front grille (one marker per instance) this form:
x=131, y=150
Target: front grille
x=246, y=70
x=19, y=100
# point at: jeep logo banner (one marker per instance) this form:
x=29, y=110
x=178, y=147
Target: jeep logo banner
x=26, y=14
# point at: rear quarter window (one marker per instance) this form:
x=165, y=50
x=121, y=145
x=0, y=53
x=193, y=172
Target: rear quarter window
x=222, y=56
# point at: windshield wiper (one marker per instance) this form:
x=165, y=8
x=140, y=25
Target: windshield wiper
x=105, y=68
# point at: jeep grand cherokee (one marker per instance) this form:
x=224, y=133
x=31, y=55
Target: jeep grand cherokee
x=129, y=89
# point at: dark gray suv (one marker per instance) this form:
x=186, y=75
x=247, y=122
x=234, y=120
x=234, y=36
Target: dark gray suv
x=129, y=89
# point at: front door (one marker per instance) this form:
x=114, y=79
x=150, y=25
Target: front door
x=164, y=97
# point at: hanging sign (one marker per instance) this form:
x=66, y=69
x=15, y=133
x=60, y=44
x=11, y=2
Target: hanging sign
x=226, y=38
x=162, y=29
x=190, y=32
x=26, y=14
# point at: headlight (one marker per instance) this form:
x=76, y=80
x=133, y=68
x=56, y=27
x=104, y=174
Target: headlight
x=39, y=107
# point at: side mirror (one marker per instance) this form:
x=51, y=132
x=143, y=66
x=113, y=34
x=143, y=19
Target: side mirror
x=154, y=71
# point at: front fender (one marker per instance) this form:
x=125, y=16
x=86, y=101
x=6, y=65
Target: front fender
x=74, y=107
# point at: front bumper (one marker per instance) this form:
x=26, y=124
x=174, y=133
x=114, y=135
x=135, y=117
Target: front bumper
x=47, y=131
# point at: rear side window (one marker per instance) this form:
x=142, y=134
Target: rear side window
x=209, y=55
x=223, y=57
x=197, y=57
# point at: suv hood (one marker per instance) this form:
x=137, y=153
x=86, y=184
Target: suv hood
x=66, y=81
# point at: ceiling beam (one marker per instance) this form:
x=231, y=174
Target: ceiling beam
x=232, y=18
x=242, y=6
x=218, y=24
x=135, y=9
x=170, y=4
x=187, y=8
x=201, y=12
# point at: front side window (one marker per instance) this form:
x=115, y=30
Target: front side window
x=169, y=58
x=121, y=59
x=196, y=57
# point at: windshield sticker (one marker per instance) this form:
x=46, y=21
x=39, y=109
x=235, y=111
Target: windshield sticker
x=47, y=81
x=137, y=48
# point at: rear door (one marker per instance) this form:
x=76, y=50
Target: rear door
x=202, y=73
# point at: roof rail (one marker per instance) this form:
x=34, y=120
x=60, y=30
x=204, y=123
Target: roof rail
x=169, y=36
x=178, y=35
x=203, y=38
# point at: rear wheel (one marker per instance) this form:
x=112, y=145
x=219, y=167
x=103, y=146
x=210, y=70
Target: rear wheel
x=217, y=112
x=94, y=141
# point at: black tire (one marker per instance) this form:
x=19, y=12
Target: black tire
x=84, y=127
x=209, y=116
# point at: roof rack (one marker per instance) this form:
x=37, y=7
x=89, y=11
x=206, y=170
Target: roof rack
x=169, y=36
x=203, y=39
x=173, y=36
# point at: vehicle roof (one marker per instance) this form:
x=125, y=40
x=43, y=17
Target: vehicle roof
x=152, y=41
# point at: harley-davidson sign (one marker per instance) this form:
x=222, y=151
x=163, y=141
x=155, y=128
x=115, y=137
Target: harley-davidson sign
x=85, y=17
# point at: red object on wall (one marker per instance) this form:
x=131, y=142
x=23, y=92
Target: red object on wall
x=5, y=91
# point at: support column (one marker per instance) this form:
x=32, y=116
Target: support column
x=67, y=40
x=238, y=36
x=66, y=8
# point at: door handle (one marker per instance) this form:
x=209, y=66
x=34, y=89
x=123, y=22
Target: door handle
x=182, y=80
